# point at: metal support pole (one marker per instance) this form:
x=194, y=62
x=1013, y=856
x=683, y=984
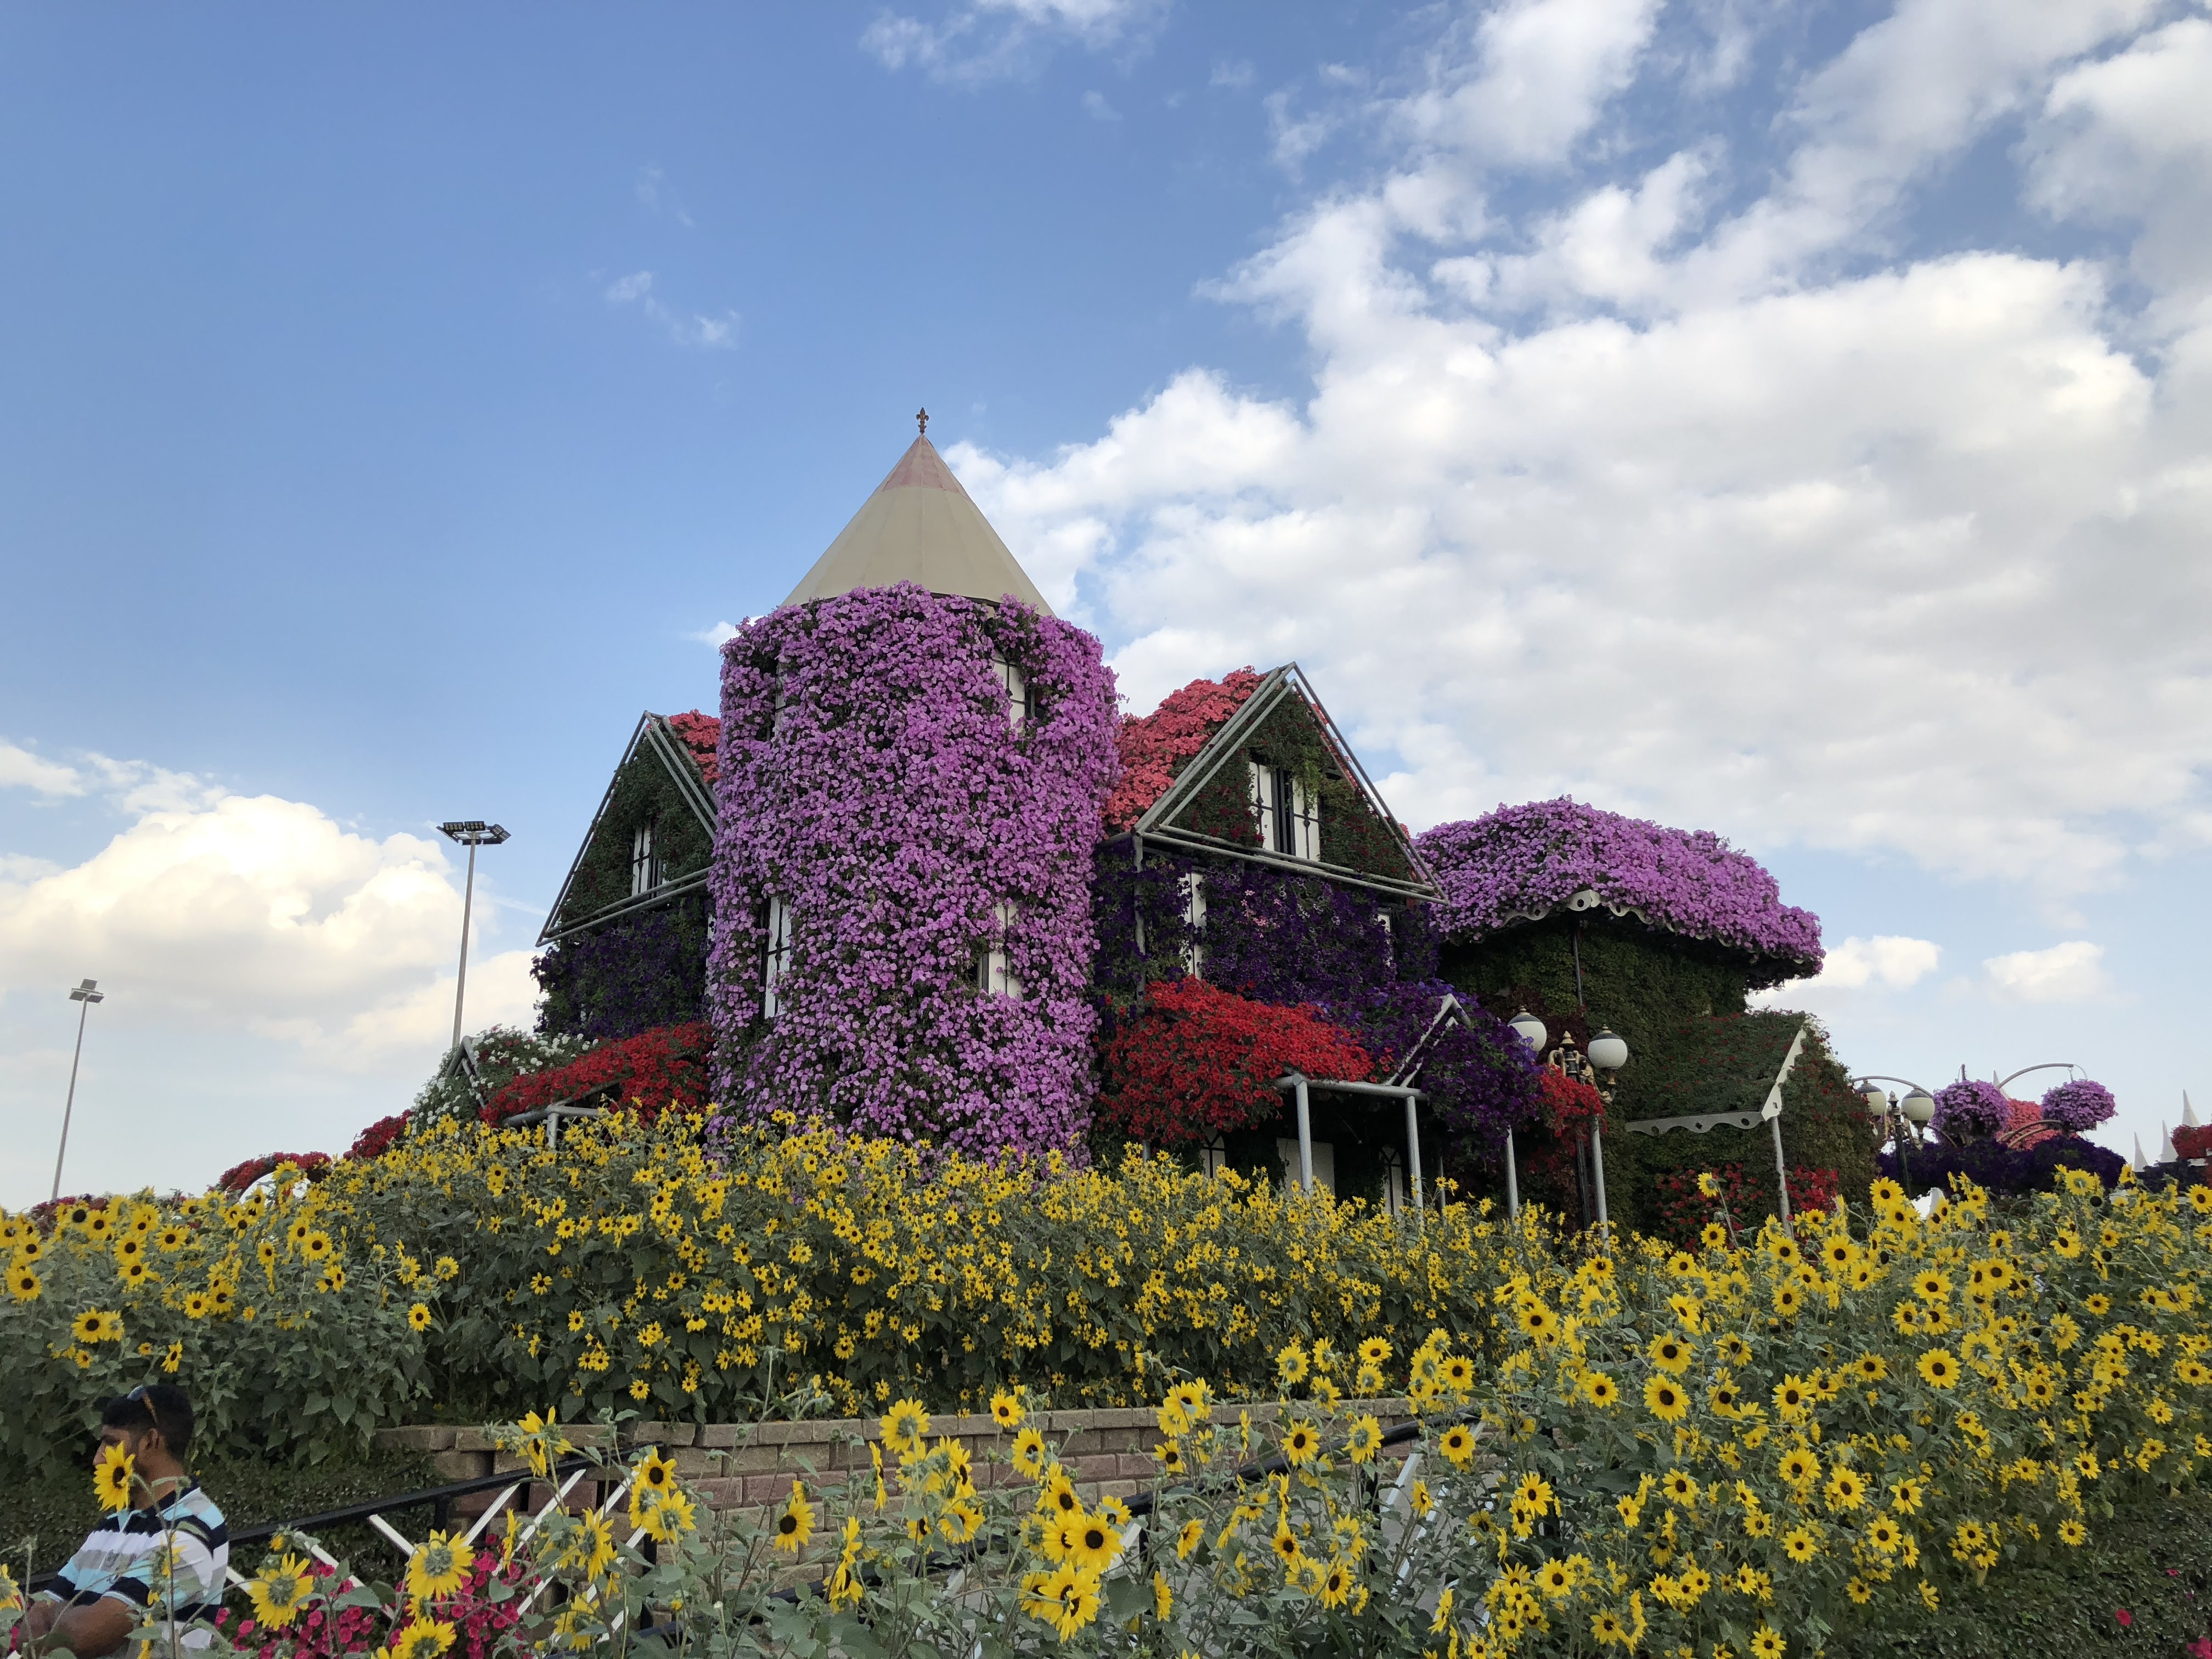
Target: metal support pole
x=1781, y=1171
x=1597, y=1165
x=461, y=983
x=1512, y=1181
x=83, y=1007
x=1414, y=1155
x=1137, y=897
x=1305, y=1140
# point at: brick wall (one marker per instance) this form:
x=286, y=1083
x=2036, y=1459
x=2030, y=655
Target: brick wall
x=744, y=1464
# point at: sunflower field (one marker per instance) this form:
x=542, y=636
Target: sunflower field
x=1772, y=1445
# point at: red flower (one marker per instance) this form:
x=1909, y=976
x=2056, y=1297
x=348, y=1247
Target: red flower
x=1195, y=1062
x=2123, y=1616
x=664, y=1068
x=1153, y=747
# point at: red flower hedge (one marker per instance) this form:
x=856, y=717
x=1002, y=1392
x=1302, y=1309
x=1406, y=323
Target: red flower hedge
x=376, y=1140
x=664, y=1068
x=239, y=1177
x=1570, y=1104
x=1195, y=1062
x=2193, y=1142
x=1153, y=747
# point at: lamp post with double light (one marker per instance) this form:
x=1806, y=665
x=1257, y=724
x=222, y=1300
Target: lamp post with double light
x=1607, y=1054
x=84, y=996
x=471, y=833
x=1903, y=1115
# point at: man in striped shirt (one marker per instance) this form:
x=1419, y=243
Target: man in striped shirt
x=163, y=1558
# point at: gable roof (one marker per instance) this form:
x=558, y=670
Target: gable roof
x=1246, y=706
x=686, y=745
x=920, y=526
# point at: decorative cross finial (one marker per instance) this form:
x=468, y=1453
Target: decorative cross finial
x=922, y=421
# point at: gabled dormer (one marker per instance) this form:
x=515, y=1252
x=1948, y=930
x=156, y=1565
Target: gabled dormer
x=651, y=840
x=1253, y=768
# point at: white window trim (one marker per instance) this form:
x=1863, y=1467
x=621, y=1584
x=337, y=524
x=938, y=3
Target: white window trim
x=1288, y=812
x=1264, y=803
x=777, y=962
x=1213, y=1155
x=995, y=976
x=785, y=700
x=1193, y=883
x=1015, y=684
x=1305, y=810
x=644, y=862
x=1394, y=1181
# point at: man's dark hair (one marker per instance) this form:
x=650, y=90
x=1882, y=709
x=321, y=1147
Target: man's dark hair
x=160, y=1406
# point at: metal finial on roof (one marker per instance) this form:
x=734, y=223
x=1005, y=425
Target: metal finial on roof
x=922, y=421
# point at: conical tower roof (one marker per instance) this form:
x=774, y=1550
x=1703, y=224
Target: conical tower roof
x=920, y=526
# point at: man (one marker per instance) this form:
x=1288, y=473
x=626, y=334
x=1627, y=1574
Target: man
x=170, y=1546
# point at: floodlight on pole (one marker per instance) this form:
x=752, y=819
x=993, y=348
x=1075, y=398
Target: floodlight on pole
x=471, y=833
x=84, y=996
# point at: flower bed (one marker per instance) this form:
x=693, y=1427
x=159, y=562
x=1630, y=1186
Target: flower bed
x=1778, y=1445
x=653, y=1072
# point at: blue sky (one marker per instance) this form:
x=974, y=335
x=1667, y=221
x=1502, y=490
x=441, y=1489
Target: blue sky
x=1795, y=421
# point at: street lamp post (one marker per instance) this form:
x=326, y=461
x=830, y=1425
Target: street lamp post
x=472, y=834
x=84, y=996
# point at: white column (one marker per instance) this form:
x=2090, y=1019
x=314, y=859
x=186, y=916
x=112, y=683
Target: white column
x=1413, y=1156
x=1305, y=1140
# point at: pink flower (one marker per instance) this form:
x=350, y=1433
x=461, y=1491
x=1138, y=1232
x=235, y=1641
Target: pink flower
x=2123, y=1616
x=2201, y=1647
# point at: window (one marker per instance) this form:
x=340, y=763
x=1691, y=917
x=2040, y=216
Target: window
x=644, y=862
x=1019, y=706
x=1213, y=1155
x=993, y=977
x=1324, y=1163
x=786, y=698
x=1194, y=919
x=778, y=962
x=1394, y=1181
x=1288, y=813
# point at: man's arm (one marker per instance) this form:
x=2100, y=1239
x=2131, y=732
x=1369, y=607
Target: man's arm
x=97, y=1628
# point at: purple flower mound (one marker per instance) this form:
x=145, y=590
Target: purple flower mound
x=895, y=812
x=2079, y=1105
x=1972, y=1107
x=1520, y=863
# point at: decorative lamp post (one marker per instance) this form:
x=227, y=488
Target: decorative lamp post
x=1903, y=1117
x=1607, y=1053
x=471, y=833
x=1530, y=1029
x=84, y=996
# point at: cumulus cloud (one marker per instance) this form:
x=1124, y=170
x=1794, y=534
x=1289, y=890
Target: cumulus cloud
x=262, y=916
x=719, y=634
x=996, y=39
x=22, y=769
x=2072, y=972
x=1732, y=519
x=1890, y=962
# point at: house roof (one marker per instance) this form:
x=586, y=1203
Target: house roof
x=920, y=526
x=687, y=745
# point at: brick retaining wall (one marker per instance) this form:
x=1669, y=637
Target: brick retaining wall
x=743, y=1464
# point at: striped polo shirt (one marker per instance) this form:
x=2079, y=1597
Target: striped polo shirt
x=177, y=1552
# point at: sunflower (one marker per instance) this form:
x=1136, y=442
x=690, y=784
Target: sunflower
x=962, y=1520
x=1005, y=1410
x=1766, y=1643
x=2072, y=1533
x=133, y=1272
x=1793, y=1397
x=1334, y=1589
x=1600, y=1389
x=266, y=1251
x=172, y=1238
x=1066, y=1598
x=1192, y=1535
x=1095, y=1545
x=99, y=1224
x=23, y=1282
x=129, y=1248
x=1302, y=1444
x=1286, y=1544
x=1799, y=1545
x=591, y=1546
x=425, y=1638
x=1028, y=1454
x=1679, y=1487
x=1169, y=1455
x=1846, y=1491
x=439, y=1566
x=1885, y=1534
x=1608, y=1629
x=1458, y=1373
x=111, y=1479
x=1735, y=1349
x=280, y=1591
x=296, y=1234
x=1713, y=1236
x=1457, y=1444
x=1788, y=1299
x=418, y=1317
x=795, y=1525
x=1291, y=1364
x=1374, y=1351
x=1938, y=1369
x=1672, y=1354
x=656, y=1473
x=1666, y=1399
x=1799, y=1466
x=1364, y=1438
x=904, y=1428
x=106, y=1327
x=1871, y=1368
x=1058, y=1496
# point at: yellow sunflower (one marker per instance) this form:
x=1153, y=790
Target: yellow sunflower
x=113, y=1480
x=904, y=1428
x=280, y=1592
x=439, y=1566
x=1006, y=1410
x=795, y=1525
x=1666, y=1399
x=1028, y=1456
x=425, y=1638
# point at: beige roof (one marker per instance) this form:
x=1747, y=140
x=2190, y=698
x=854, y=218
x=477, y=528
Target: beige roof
x=920, y=527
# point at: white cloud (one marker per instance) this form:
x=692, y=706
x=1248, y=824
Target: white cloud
x=655, y=195
x=685, y=329
x=720, y=635
x=1906, y=558
x=1237, y=75
x=624, y=289
x=2072, y=972
x=1890, y=962
x=261, y=916
x=1095, y=107
x=1537, y=75
x=22, y=769
x=994, y=39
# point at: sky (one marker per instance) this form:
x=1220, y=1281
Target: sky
x=1788, y=420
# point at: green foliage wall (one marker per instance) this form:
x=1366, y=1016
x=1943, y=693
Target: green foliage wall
x=644, y=792
x=1353, y=834
x=1663, y=993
